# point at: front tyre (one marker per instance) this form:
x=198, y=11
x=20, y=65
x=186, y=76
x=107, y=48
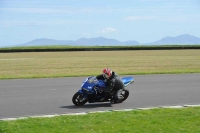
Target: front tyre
x=79, y=99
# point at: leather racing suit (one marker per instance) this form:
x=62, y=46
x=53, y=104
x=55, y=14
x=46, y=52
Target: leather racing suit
x=113, y=83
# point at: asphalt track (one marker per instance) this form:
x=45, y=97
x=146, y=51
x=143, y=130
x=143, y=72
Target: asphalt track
x=30, y=97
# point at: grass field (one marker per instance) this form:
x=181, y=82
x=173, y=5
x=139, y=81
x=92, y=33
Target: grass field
x=65, y=64
x=185, y=120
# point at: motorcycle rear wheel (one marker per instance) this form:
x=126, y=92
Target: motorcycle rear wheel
x=78, y=99
x=125, y=94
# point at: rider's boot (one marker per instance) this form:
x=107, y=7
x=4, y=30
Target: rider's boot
x=111, y=96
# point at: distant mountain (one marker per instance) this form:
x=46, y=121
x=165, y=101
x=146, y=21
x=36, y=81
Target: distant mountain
x=101, y=41
x=182, y=39
x=45, y=42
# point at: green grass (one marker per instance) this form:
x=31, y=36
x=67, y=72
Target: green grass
x=85, y=63
x=185, y=120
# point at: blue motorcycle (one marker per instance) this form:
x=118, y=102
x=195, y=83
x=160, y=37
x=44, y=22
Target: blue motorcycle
x=90, y=92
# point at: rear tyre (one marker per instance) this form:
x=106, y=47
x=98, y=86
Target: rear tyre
x=121, y=96
x=78, y=99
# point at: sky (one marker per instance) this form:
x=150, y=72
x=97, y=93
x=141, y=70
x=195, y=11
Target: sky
x=144, y=21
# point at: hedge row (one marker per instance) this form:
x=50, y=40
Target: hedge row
x=97, y=48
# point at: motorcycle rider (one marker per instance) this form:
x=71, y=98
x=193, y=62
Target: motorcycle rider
x=113, y=82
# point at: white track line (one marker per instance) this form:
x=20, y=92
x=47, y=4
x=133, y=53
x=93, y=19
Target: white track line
x=173, y=106
x=85, y=113
x=198, y=105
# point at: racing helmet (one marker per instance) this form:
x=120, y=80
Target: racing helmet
x=107, y=73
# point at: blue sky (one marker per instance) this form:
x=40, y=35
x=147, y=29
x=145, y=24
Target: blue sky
x=145, y=21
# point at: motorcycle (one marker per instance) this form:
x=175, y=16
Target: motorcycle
x=90, y=92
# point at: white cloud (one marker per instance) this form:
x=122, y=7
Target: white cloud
x=35, y=10
x=61, y=10
x=172, y=19
x=100, y=10
x=133, y=18
x=8, y=23
x=149, y=0
x=178, y=19
x=108, y=30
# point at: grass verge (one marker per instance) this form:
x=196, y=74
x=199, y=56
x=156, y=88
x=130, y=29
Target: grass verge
x=85, y=63
x=184, y=120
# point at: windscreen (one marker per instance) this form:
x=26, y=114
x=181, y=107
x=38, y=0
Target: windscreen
x=92, y=80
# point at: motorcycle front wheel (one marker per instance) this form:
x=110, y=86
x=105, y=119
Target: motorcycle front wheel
x=79, y=99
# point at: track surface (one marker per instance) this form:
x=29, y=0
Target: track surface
x=29, y=97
